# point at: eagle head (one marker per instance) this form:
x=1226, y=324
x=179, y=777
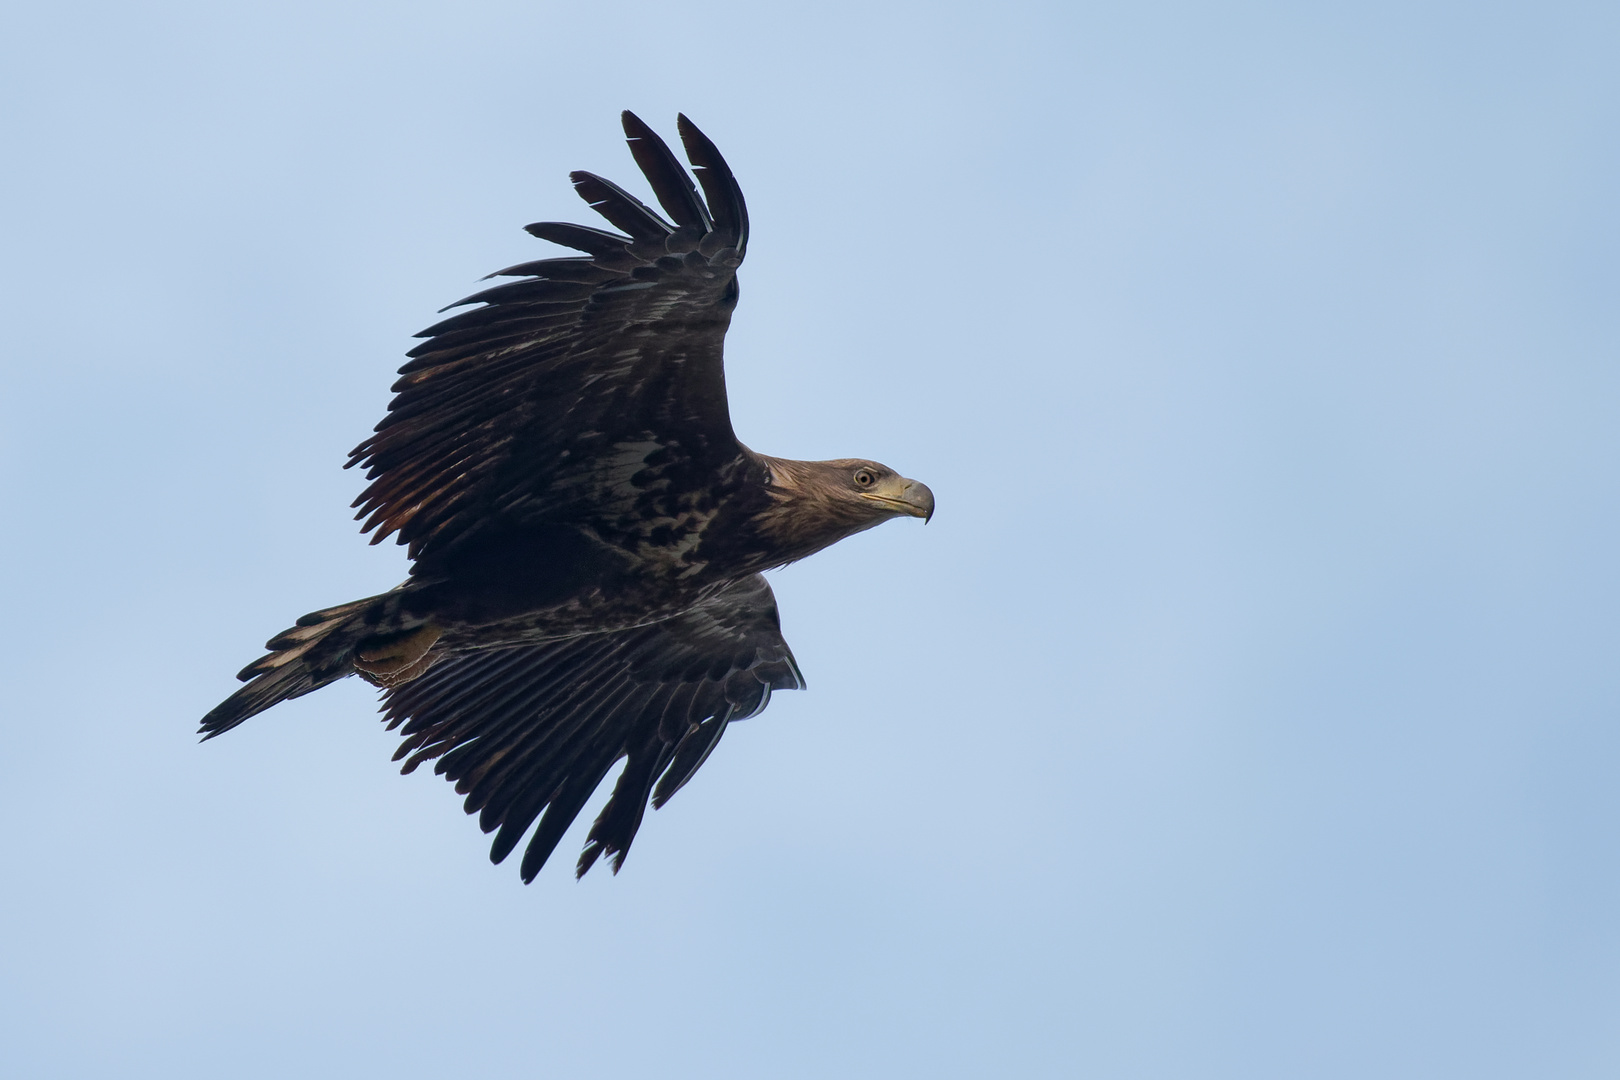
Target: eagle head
x=817, y=503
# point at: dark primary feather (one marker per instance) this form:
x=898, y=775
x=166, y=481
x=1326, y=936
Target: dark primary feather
x=620, y=207
x=529, y=730
x=511, y=407
x=579, y=237
x=726, y=204
x=670, y=183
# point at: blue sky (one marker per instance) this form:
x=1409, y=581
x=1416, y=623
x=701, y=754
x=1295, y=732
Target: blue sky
x=1247, y=710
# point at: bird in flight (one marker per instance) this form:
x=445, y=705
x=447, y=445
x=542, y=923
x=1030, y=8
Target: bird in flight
x=586, y=533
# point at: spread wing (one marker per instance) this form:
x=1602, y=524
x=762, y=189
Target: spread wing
x=531, y=729
x=544, y=402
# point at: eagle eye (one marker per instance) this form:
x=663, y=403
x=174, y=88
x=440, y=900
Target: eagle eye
x=864, y=478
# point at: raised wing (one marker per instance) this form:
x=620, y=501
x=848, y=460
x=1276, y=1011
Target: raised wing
x=535, y=728
x=545, y=401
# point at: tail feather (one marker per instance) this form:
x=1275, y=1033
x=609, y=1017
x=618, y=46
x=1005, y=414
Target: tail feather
x=318, y=651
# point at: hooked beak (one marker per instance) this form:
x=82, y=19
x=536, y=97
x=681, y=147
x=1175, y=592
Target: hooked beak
x=909, y=497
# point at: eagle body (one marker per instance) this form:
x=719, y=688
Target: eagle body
x=587, y=535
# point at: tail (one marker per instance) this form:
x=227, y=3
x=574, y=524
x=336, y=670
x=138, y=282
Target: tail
x=319, y=650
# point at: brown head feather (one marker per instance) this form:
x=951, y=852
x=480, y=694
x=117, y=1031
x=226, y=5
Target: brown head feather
x=814, y=504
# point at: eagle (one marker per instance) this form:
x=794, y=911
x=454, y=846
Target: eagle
x=587, y=536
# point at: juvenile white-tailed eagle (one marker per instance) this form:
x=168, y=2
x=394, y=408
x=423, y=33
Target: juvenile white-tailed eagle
x=586, y=533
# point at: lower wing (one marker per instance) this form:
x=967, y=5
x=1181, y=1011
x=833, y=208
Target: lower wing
x=529, y=730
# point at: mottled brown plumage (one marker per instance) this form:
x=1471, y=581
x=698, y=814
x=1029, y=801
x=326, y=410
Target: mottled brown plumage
x=587, y=535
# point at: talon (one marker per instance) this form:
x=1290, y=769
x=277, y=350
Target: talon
x=385, y=680
x=398, y=659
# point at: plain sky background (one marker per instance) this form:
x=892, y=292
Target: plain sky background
x=1249, y=709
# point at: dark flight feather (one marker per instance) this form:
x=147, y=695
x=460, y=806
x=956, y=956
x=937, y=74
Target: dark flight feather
x=620, y=207
x=670, y=183
x=597, y=242
x=726, y=203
